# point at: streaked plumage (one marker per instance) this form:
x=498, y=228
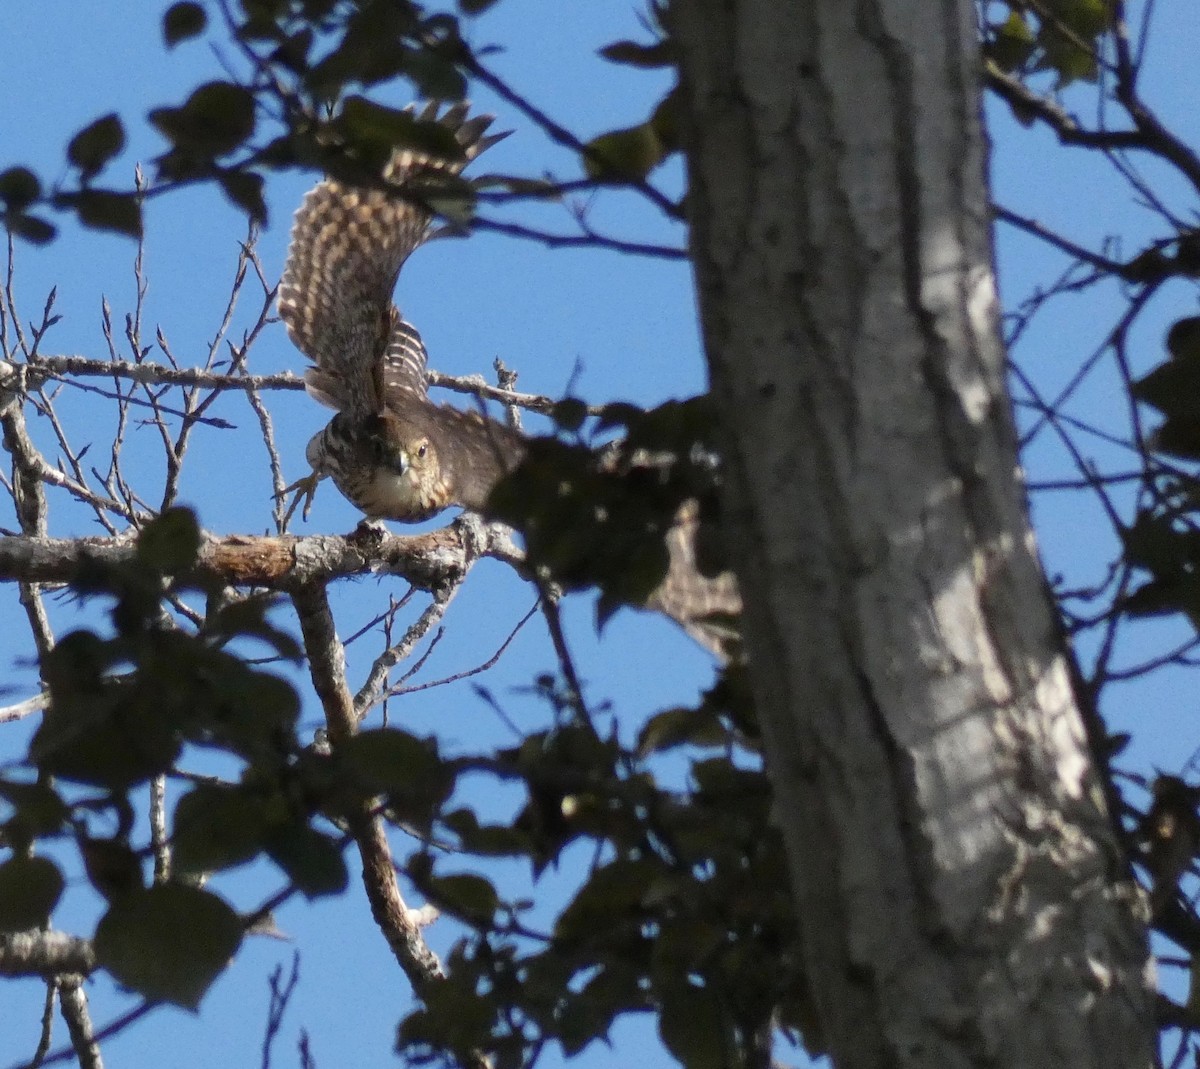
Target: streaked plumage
x=389, y=449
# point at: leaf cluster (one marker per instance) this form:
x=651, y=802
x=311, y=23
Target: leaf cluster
x=138, y=703
x=294, y=101
x=685, y=912
x=1062, y=37
x=599, y=516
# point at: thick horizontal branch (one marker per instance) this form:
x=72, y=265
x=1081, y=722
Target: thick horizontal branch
x=38, y=953
x=278, y=563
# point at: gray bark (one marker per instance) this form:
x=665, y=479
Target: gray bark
x=963, y=898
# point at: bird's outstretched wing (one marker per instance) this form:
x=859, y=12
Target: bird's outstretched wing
x=348, y=245
x=401, y=370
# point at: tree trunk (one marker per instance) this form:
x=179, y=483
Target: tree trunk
x=963, y=897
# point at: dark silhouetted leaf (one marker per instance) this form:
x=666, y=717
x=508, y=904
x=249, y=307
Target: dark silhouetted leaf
x=691, y=1025
x=1183, y=339
x=97, y=730
x=248, y=617
x=465, y=895
x=168, y=942
x=245, y=190
x=1179, y=437
x=103, y=210
x=29, y=889
x=569, y=413
x=170, y=542
x=37, y=810
x=213, y=121
x=312, y=861
x=632, y=54
x=113, y=868
x=395, y=763
x=613, y=893
x=217, y=828
x=496, y=840
x=33, y=229
x=183, y=21
x=19, y=188
x=95, y=145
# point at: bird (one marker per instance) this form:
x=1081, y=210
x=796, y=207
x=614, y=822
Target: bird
x=390, y=450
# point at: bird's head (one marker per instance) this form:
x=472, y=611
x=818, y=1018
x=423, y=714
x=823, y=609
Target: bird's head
x=394, y=467
x=398, y=448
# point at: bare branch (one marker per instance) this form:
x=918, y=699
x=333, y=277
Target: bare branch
x=374, y=689
x=395, y=920
x=286, y=562
x=74, y=1004
x=23, y=709
x=38, y=953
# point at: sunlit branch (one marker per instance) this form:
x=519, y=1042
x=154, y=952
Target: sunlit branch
x=375, y=686
x=395, y=920
x=73, y=1002
x=274, y=563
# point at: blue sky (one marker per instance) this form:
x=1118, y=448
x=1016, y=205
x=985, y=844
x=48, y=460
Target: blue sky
x=627, y=325
x=623, y=328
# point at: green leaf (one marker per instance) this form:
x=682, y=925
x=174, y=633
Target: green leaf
x=612, y=894
x=168, y=942
x=465, y=895
x=312, y=861
x=170, y=543
x=19, y=188
x=626, y=155
x=1011, y=43
x=691, y=1025
x=99, y=730
x=436, y=76
x=676, y=727
x=362, y=120
x=393, y=762
x=631, y=54
x=94, y=145
x=666, y=120
x=29, y=889
x=218, y=827
x=104, y=210
x=183, y=21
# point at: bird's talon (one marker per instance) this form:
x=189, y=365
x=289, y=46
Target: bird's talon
x=305, y=490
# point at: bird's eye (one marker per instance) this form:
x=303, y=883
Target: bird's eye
x=422, y=449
